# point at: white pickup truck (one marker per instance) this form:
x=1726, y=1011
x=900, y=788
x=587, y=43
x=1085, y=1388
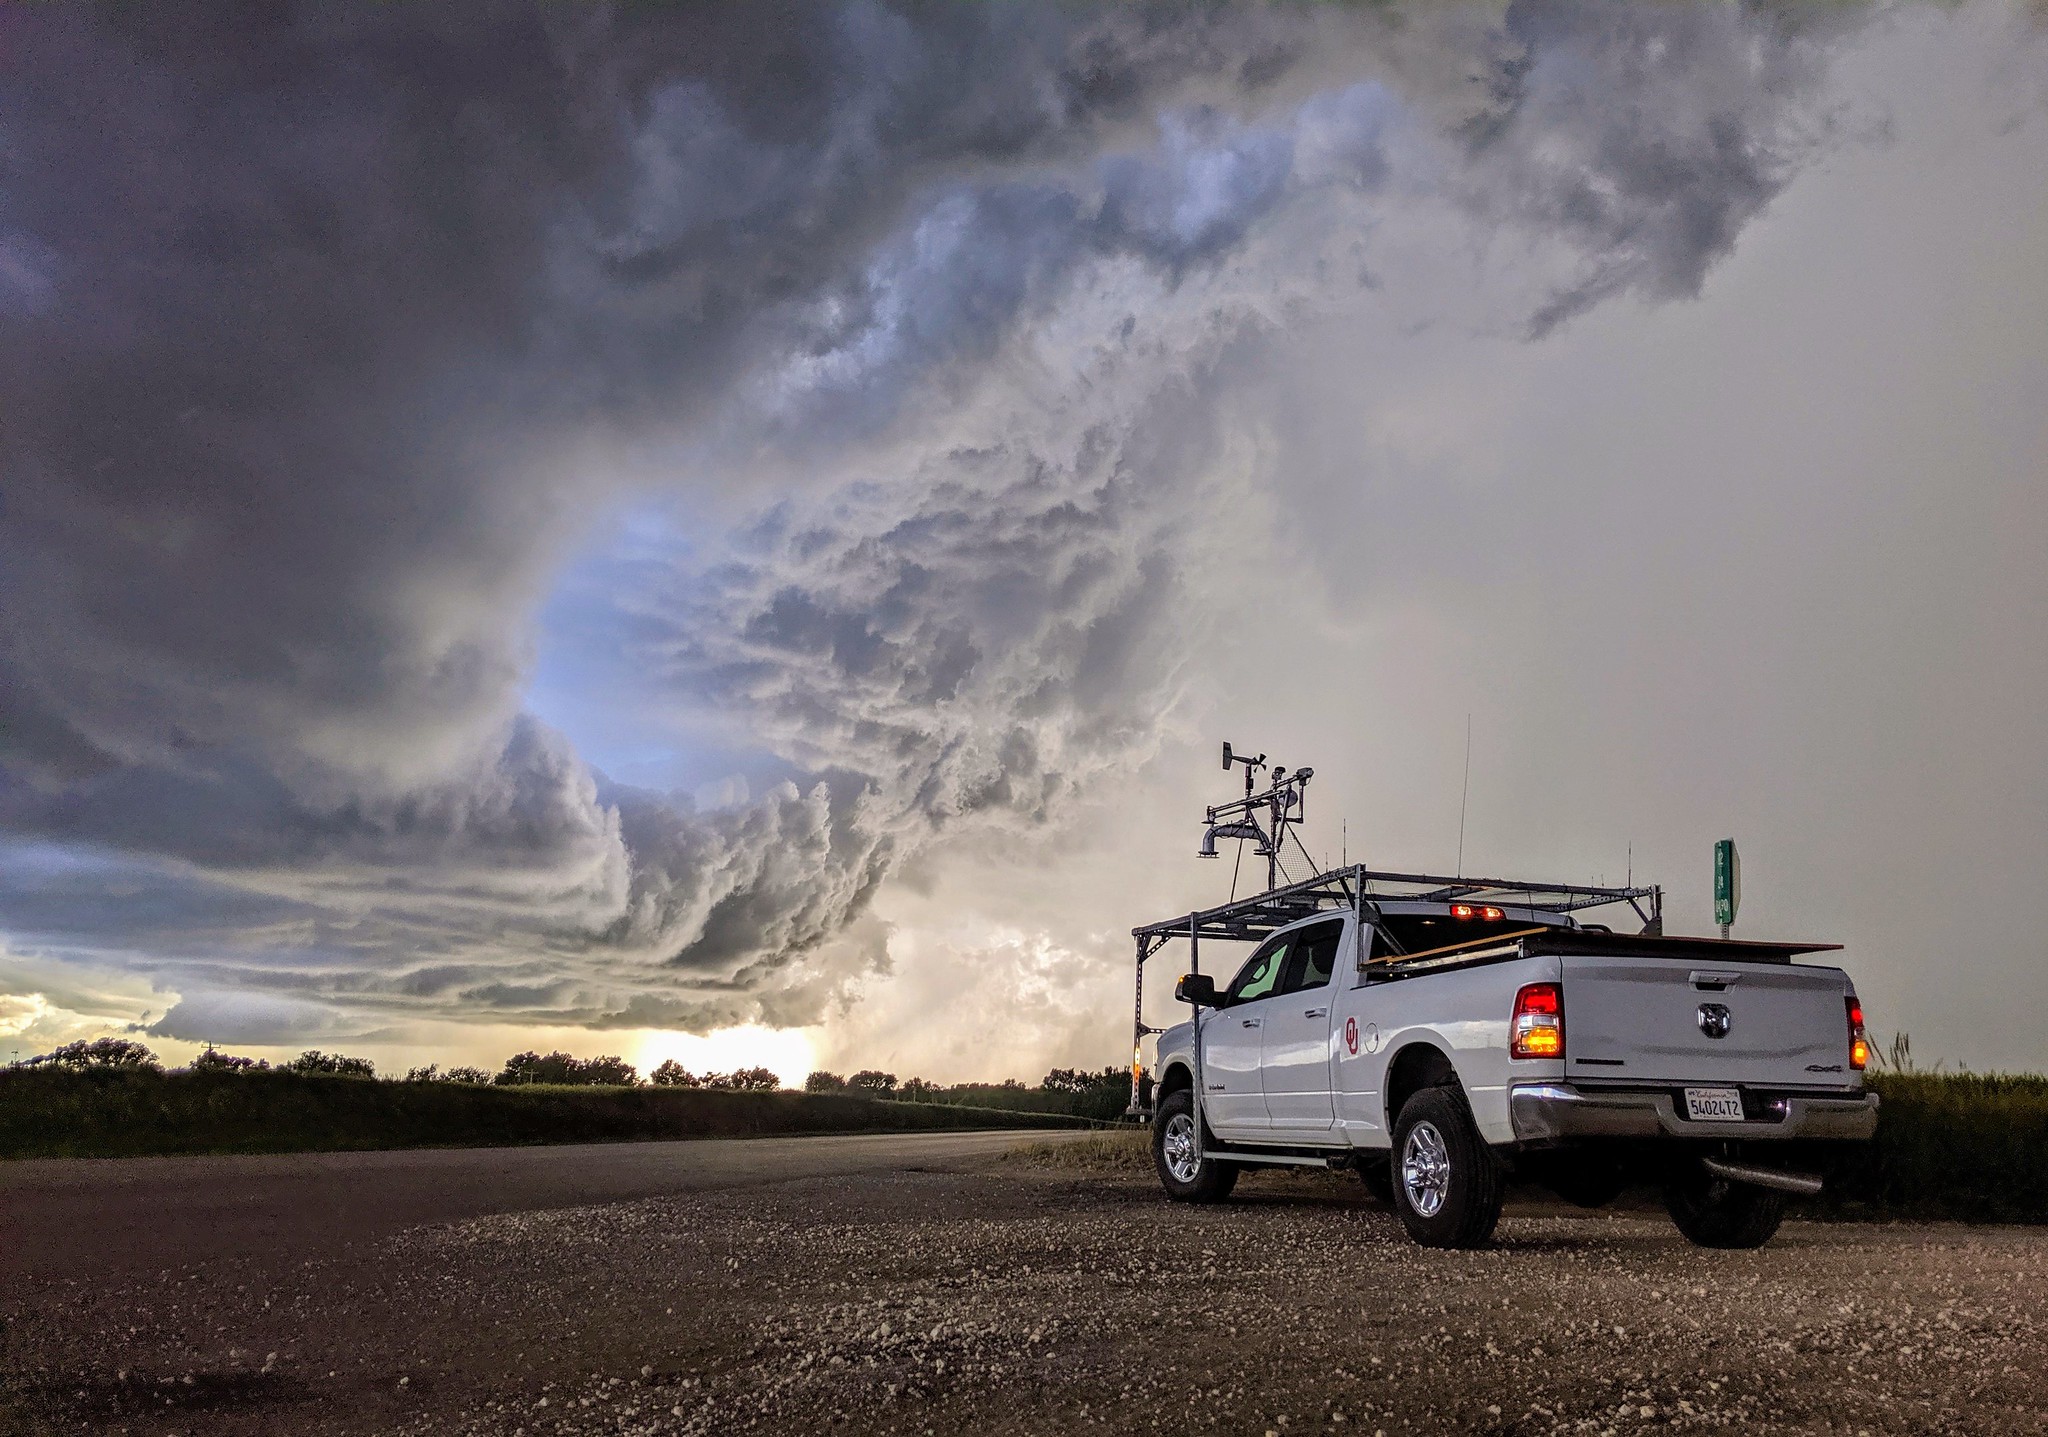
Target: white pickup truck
x=1443, y=1035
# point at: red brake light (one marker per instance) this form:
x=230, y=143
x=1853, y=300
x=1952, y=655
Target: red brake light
x=1466, y=910
x=1859, y=1046
x=1538, y=1027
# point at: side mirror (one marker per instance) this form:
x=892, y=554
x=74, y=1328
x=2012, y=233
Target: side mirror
x=1199, y=989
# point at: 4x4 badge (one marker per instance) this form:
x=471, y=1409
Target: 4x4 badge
x=1716, y=1020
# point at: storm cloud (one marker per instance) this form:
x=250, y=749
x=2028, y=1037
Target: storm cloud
x=330, y=341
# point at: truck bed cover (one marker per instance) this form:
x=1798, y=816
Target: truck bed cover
x=1705, y=950
x=1529, y=942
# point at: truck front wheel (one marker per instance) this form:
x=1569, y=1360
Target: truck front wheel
x=1183, y=1172
x=1715, y=1212
x=1448, y=1186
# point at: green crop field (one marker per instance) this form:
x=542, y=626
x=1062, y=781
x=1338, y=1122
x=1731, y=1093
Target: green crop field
x=47, y=1113
x=1962, y=1146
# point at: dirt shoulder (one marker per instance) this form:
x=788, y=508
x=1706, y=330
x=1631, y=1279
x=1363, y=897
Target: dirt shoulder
x=976, y=1295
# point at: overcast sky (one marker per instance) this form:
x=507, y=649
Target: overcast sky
x=736, y=533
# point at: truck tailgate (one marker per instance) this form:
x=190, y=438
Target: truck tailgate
x=1641, y=1019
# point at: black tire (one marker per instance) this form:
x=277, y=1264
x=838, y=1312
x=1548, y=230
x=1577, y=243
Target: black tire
x=1448, y=1165
x=1207, y=1180
x=1715, y=1212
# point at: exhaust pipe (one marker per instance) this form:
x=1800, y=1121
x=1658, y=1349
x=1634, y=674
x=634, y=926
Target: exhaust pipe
x=1805, y=1184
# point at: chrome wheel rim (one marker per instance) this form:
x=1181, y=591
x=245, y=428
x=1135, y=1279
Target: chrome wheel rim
x=1177, y=1146
x=1425, y=1169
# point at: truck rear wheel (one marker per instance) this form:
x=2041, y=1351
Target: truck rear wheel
x=1715, y=1212
x=1448, y=1186
x=1186, y=1176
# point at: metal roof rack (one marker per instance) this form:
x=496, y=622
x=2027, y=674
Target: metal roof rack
x=1254, y=917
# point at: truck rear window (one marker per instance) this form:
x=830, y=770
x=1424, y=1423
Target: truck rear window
x=1416, y=932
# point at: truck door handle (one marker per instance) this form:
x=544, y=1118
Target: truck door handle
x=1315, y=1012
x=1251, y=1022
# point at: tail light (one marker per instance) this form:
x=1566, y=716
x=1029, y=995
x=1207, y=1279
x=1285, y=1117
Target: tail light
x=1538, y=1028
x=1859, y=1046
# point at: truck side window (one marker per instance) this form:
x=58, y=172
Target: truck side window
x=1260, y=976
x=1314, y=958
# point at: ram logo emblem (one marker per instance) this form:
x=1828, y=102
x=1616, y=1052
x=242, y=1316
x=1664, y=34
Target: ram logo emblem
x=1716, y=1020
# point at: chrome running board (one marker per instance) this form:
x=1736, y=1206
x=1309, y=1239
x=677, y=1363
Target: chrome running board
x=1292, y=1160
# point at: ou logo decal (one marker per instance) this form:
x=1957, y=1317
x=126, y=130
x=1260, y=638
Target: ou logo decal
x=1351, y=1035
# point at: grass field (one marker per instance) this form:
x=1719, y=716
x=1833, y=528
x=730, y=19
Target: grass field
x=47, y=1113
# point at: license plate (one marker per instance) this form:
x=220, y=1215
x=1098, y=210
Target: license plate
x=1713, y=1105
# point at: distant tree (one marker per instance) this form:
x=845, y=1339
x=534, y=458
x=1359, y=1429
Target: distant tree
x=917, y=1090
x=672, y=1074
x=745, y=1080
x=870, y=1080
x=559, y=1067
x=531, y=1067
x=611, y=1071
x=102, y=1054
x=215, y=1061
x=524, y=1068
x=1100, y=1094
x=1077, y=1081
x=433, y=1074
x=823, y=1082
x=315, y=1061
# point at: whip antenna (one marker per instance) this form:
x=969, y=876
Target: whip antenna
x=1463, y=794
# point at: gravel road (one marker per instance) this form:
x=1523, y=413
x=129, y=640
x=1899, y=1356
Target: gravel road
x=85, y=1218
x=966, y=1292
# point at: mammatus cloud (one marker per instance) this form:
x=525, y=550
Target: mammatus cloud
x=321, y=362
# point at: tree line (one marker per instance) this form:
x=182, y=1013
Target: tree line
x=1065, y=1090
x=609, y=1070
x=1081, y=1092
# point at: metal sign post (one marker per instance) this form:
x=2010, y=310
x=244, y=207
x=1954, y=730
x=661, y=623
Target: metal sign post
x=1727, y=884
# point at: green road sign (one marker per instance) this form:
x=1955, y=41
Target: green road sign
x=1727, y=883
